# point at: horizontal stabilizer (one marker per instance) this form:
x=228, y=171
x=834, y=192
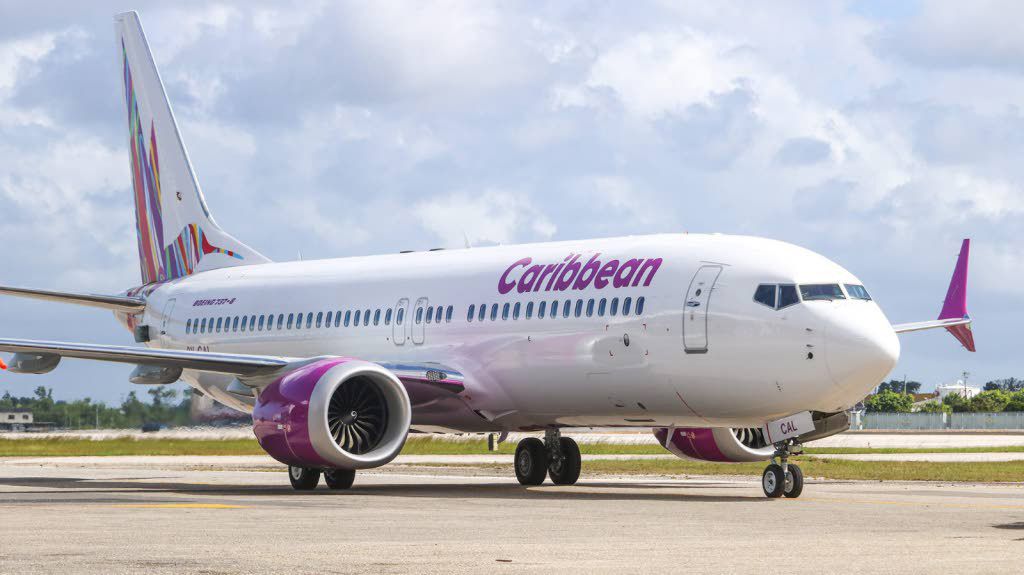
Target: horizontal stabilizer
x=111, y=302
x=953, y=317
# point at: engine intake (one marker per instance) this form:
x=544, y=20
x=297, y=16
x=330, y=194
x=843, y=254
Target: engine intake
x=333, y=413
x=715, y=443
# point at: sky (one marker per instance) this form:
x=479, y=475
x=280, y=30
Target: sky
x=878, y=134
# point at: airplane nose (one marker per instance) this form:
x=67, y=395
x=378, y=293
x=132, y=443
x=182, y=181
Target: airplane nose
x=862, y=351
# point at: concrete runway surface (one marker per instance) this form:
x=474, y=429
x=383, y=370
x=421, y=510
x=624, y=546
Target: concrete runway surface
x=83, y=518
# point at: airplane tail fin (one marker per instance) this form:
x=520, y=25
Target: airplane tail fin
x=955, y=305
x=177, y=235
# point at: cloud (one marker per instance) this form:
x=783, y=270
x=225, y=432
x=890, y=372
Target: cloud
x=803, y=151
x=492, y=217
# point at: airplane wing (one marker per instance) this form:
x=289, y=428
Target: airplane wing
x=43, y=356
x=934, y=324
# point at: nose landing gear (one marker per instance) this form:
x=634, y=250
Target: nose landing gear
x=783, y=478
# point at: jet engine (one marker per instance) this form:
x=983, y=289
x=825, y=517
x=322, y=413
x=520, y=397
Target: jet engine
x=333, y=413
x=716, y=443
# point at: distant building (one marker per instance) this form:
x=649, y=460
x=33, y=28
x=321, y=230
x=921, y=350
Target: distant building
x=958, y=388
x=16, y=419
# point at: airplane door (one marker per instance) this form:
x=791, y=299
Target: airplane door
x=695, y=312
x=165, y=320
x=419, y=326
x=399, y=327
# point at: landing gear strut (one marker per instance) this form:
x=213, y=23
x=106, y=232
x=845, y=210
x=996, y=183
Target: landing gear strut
x=556, y=456
x=783, y=478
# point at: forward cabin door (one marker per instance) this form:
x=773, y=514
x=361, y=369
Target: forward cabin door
x=399, y=327
x=166, y=320
x=695, y=314
x=419, y=324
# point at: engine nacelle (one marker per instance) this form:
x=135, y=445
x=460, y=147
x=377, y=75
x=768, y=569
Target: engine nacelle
x=333, y=413
x=715, y=443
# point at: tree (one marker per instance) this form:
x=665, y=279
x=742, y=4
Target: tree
x=1010, y=384
x=897, y=386
x=1016, y=402
x=957, y=402
x=890, y=401
x=935, y=407
x=988, y=401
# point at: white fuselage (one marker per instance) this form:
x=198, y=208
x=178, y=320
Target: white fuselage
x=701, y=352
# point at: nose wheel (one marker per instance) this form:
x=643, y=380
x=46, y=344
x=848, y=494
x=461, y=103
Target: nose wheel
x=783, y=479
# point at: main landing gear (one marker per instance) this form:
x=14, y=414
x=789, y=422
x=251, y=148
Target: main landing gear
x=557, y=457
x=783, y=478
x=306, y=478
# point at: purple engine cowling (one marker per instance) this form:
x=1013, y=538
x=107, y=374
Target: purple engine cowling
x=720, y=444
x=298, y=419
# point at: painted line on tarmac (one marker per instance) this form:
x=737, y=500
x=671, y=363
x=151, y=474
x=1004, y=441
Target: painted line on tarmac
x=179, y=506
x=905, y=503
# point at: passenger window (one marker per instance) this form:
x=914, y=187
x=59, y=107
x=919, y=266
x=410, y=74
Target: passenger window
x=540, y=310
x=280, y=322
x=430, y=313
x=291, y=318
x=366, y=317
x=494, y=311
x=401, y=316
x=627, y=304
x=252, y=323
x=787, y=296
x=348, y=316
x=529, y=310
x=515, y=311
x=387, y=317
x=188, y=326
x=220, y=321
x=469, y=314
x=319, y=319
x=566, y=307
x=449, y=313
x=376, y=317
x=234, y=323
x=579, y=308
x=483, y=312
x=765, y=295
x=202, y=328
x=857, y=292
x=355, y=320
x=438, y=314
x=614, y=309
x=419, y=315
x=309, y=320
x=590, y=308
x=601, y=306
x=504, y=311
x=640, y=305
x=337, y=318
x=327, y=321
x=260, y=327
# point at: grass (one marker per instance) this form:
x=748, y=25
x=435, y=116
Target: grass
x=825, y=468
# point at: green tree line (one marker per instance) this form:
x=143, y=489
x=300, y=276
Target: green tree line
x=164, y=407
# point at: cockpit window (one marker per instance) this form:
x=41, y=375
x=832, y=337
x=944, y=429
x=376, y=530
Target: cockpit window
x=765, y=295
x=857, y=292
x=787, y=296
x=812, y=292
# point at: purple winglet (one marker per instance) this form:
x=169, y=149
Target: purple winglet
x=955, y=305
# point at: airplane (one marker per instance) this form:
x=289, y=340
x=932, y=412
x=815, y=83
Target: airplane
x=729, y=348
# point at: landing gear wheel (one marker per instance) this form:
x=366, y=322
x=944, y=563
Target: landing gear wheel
x=531, y=461
x=303, y=478
x=794, y=481
x=339, y=478
x=772, y=481
x=566, y=470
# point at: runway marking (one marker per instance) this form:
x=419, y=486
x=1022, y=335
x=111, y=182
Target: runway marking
x=180, y=506
x=907, y=503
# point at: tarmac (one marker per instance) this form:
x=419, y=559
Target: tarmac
x=168, y=515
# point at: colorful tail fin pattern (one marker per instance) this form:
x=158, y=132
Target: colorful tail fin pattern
x=168, y=199
x=955, y=306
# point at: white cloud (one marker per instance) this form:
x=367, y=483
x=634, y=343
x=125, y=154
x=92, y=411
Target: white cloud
x=493, y=217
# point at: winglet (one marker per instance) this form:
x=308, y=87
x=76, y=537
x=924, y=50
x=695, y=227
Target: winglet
x=955, y=305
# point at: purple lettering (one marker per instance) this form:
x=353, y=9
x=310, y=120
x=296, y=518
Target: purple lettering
x=607, y=271
x=568, y=275
x=526, y=282
x=547, y=270
x=505, y=286
x=622, y=278
x=592, y=266
x=651, y=264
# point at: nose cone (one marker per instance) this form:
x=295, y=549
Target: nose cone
x=862, y=349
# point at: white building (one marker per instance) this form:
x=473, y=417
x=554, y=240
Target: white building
x=959, y=388
x=15, y=419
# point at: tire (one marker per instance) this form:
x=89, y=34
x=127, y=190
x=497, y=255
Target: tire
x=566, y=471
x=339, y=478
x=303, y=478
x=772, y=481
x=795, y=486
x=531, y=461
